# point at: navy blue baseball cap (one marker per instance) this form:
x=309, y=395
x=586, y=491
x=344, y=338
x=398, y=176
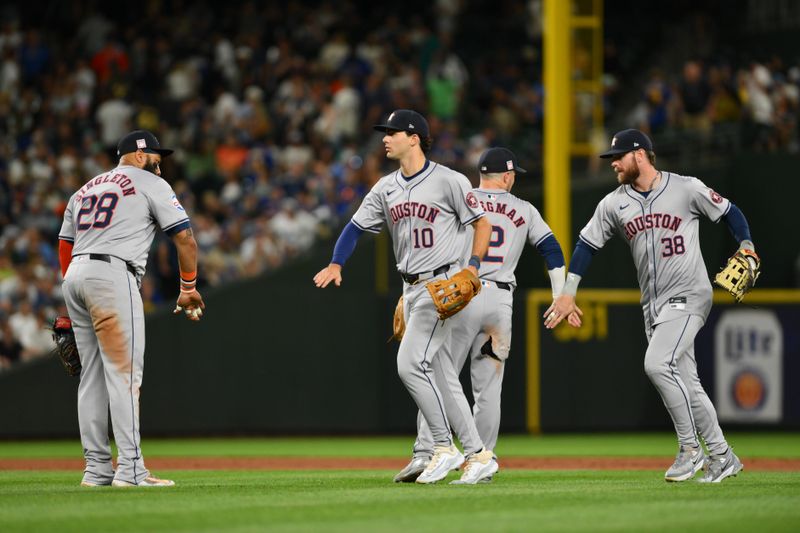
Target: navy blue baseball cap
x=141, y=140
x=405, y=120
x=499, y=160
x=627, y=141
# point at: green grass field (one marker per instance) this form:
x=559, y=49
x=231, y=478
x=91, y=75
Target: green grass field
x=367, y=500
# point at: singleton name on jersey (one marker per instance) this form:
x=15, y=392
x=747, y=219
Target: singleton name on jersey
x=120, y=179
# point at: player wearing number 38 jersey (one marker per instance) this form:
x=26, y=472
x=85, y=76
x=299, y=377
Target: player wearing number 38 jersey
x=658, y=214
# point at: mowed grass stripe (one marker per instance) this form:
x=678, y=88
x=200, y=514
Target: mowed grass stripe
x=368, y=501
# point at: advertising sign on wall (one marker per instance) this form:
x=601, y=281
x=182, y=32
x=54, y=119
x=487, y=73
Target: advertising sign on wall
x=748, y=357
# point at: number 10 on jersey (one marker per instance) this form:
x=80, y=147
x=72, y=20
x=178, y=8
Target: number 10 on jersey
x=423, y=238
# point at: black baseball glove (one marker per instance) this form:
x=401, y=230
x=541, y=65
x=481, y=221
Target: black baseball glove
x=66, y=348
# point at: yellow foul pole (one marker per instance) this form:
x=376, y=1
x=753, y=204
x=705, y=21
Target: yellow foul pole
x=557, y=149
x=557, y=120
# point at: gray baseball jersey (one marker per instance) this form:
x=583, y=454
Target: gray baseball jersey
x=488, y=316
x=116, y=214
x=514, y=221
x=662, y=231
x=426, y=216
x=112, y=221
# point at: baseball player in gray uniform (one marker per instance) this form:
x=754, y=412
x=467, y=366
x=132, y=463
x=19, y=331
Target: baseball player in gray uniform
x=482, y=331
x=426, y=207
x=658, y=213
x=109, y=224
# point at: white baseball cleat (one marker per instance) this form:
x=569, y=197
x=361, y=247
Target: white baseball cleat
x=687, y=463
x=411, y=472
x=719, y=467
x=478, y=467
x=150, y=481
x=445, y=459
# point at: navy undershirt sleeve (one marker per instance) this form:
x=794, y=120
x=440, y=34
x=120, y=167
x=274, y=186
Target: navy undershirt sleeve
x=551, y=251
x=346, y=243
x=581, y=258
x=737, y=224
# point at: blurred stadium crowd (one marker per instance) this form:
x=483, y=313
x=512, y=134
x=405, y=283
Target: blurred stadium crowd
x=269, y=107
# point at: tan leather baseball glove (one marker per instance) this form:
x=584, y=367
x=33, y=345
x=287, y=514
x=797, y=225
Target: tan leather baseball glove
x=740, y=274
x=451, y=295
x=399, y=322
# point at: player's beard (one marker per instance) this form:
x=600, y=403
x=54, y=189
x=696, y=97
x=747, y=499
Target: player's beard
x=628, y=175
x=151, y=166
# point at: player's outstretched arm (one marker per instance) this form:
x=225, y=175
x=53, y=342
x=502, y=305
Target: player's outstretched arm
x=332, y=272
x=563, y=306
x=345, y=245
x=189, y=300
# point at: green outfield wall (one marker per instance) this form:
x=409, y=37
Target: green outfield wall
x=275, y=355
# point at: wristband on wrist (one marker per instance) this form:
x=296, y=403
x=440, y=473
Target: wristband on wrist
x=475, y=261
x=188, y=281
x=571, y=285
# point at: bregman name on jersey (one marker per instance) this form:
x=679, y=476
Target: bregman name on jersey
x=500, y=209
x=121, y=180
x=653, y=220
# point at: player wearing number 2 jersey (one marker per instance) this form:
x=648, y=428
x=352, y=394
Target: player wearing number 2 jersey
x=658, y=214
x=109, y=224
x=425, y=207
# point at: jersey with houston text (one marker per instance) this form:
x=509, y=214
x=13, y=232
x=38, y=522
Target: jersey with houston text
x=662, y=230
x=514, y=222
x=426, y=216
x=116, y=213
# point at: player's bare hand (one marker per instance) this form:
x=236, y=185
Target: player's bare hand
x=332, y=272
x=574, y=319
x=561, y=308
x=191, y=303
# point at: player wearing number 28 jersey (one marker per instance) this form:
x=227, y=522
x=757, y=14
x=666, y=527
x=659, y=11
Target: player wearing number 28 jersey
x=109, y=224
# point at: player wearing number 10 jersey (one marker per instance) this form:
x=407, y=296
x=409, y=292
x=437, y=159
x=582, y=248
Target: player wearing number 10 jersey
x=482, y=331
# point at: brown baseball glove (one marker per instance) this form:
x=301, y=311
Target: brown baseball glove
x=399, y=322
x=66, y=349
x=740, y=274
x=452, y=295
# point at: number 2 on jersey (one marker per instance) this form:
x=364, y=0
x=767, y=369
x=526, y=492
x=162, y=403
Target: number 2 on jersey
x=104, y=205
x=495, y=241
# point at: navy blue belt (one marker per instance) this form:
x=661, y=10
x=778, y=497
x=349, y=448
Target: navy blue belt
x=107, y=259
x=413, y=278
